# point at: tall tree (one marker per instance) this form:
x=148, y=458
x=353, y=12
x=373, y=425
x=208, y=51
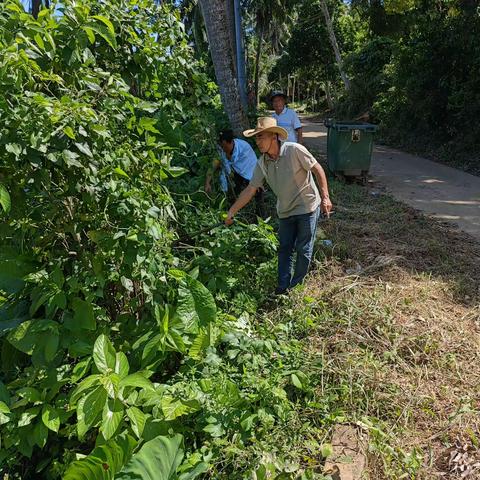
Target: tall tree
x=333, y=41
x=36, y=5
x=219, y=37
x=272, y=18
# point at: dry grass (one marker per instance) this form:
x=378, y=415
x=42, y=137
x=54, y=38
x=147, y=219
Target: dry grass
x=397, y=303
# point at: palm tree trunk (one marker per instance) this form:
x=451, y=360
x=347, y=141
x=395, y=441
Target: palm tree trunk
x=218, y=33
x=257, y=65
x=333, y=41
x=231, y=30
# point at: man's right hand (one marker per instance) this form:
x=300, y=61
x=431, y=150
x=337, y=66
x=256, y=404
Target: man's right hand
x=245, y=196
x=228, y=220
x=326, y=206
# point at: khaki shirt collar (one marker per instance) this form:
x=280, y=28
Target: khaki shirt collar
x=267, y=157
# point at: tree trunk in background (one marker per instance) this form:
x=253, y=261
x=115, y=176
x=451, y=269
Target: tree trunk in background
x=257, y=65
x=198, y=30
x=231, y=29
x=36, y=4
x=218, y=33
x=328, y=95
x=333, y=41
x=293, y=89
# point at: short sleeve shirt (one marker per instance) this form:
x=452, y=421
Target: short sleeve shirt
x=289, y=120
x=243, y=162
x=291, y=179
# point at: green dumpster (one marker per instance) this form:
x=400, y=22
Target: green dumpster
x=349, y=147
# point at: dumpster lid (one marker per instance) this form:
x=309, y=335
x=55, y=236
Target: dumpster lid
x=346, y=125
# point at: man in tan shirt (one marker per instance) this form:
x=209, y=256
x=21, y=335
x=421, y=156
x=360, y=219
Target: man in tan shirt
x=289, y=168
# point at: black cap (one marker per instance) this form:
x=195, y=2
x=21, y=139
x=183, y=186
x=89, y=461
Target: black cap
x=277, y=93
x=226, y=136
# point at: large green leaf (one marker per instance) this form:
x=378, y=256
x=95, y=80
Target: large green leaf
x=148, y=124
x=199, y=469
x=137, y=420
x=104, y=354
x=173, y=408
x=104, y=462
x=84, y=385
x=5, y=414
x=121, y=365
x=136, y=380
x=51, y=418
x=105, y=21
x=5, y=201
x=158, y=459
x=111, y=382
x=89, y=410
x=196, y=305
x=40, y=434
x=83, y=314
x=33, y=335
x=104, y=32
x=111, y=418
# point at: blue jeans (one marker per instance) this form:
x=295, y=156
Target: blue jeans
x=296, y=233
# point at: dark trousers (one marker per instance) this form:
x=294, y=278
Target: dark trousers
x=296, y=235
x=239, y=184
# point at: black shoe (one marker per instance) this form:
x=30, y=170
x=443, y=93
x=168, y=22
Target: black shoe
x=281, y=291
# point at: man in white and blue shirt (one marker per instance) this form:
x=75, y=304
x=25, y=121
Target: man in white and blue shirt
x=286, y=117
x=238, y=161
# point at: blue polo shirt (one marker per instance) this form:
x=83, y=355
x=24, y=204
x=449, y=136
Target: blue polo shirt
x=243, y=162
x=289, y=120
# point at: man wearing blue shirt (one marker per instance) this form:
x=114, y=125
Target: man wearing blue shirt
x=237, y=166
x=286, y=117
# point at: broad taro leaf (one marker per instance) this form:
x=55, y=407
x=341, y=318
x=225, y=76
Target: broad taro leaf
x=104, y=462
x=158, y=459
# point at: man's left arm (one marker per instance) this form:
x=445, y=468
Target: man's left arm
x=299, y=135
x=297, y=126
x=326, y=204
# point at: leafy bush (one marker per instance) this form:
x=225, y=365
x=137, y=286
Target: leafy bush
x=116, y=360
x=90, y=126
x=428, y=99
x=367, y=70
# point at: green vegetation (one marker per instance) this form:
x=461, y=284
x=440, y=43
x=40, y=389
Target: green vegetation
x=413, y=68
x=136, y=343
x=117, y=361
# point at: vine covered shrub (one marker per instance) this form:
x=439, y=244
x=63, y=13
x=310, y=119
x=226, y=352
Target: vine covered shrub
x=116, y=360
x=93, y=110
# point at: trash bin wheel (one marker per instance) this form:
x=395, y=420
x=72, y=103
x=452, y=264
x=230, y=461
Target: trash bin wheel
x=364, y=178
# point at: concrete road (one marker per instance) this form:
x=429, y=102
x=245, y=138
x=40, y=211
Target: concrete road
x=438, y=190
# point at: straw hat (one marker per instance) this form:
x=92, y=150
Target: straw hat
x=267, y=124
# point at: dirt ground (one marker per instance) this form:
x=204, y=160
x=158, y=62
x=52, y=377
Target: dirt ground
x=399, y=298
